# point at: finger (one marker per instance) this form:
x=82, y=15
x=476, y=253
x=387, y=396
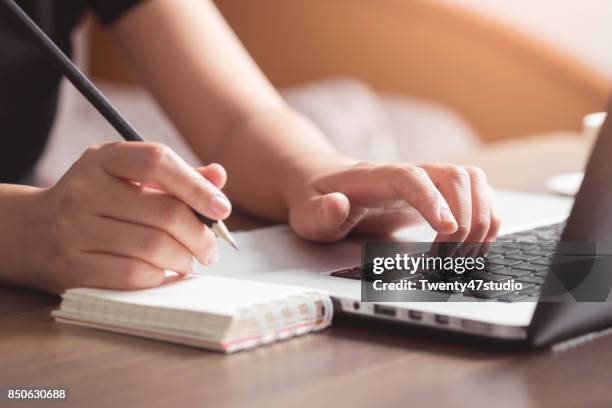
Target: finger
x=373, y=187
x=156, y=163
x=151, y=245
x=129, y=203
x=454, y=184
x=496, y=222
x=108, y=271
x=322, y=217
x=481, y=205
x=215, y=173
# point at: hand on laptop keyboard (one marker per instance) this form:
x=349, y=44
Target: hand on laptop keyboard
x=380, y=199
x=525, y=256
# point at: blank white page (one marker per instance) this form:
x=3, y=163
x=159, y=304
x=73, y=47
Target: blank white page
x=208, y=294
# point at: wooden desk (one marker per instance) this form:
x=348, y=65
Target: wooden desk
x=354, y=363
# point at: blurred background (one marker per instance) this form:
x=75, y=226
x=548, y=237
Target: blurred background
x=387, y=80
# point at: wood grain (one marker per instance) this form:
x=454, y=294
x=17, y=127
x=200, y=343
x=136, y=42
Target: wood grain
x=354, y=363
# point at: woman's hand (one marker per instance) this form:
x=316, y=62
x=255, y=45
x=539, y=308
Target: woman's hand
x=121, y=216
x=379, y=199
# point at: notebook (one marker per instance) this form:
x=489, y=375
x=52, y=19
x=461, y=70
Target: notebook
x=211, y=312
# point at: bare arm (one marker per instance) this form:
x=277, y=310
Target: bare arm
x=120, y=217
x=279, y=165
x=221, y=102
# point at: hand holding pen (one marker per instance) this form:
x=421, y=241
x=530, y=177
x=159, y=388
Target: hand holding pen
x=122, y=215
x=125, y=212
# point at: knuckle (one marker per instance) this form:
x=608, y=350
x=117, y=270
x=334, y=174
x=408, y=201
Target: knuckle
x=476, y=173
x=458, y=174
x=409, y=179
x=410, y=172
x=481, y=224
x=90, y=152
x=154, y=155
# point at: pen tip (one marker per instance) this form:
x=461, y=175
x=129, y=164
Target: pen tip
x=222, y=232
x=234, y=245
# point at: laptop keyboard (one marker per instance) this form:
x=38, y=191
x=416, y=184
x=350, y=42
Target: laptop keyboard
x=525, y=256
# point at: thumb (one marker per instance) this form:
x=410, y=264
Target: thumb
x=215, y=173
x=321, y=217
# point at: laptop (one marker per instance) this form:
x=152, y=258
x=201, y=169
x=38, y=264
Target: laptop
x=525, y=254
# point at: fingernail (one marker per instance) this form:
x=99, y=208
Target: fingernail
x=446, y=215
x=220, y=206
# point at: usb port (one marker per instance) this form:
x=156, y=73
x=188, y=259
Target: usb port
x=442, y=319
x=385, y=310
x=414, y=315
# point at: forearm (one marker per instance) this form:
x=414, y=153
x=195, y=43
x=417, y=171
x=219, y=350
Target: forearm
x=220, y=101
x=270, y=153
x=17, y=224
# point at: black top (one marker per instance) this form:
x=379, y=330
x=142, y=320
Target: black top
x=29, y=83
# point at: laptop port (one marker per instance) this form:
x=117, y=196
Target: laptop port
x=442, y=319
x=385, y=310
x=414, y=315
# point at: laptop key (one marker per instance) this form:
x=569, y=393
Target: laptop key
x=545, y=261
x=511, y=297
x=530, y=291
x=513, y=272
x=527, y=238
x=493, y=277
x=411, y=278
x=504, y=262
x=504, y=251
x=531, y=267
x=494, y=255
x=521, y=246
x=531, y=279
x=540, y=251
x=492, y=266
x=488, y=294
x=522, y=257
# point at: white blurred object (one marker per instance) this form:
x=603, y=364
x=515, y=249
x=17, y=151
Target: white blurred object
x=569, y=183
x=392, y=128
x=591, y=125
x=350, y=114
x=426, y=131
x=565, y=184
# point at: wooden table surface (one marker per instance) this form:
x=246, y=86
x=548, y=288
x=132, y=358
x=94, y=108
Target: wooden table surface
x=354, y=362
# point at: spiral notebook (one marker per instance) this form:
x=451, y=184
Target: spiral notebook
x=204, y=311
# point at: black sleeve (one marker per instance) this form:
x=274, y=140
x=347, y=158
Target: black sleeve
x=108, y=11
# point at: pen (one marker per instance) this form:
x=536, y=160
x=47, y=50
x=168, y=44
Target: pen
x=98, y=100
